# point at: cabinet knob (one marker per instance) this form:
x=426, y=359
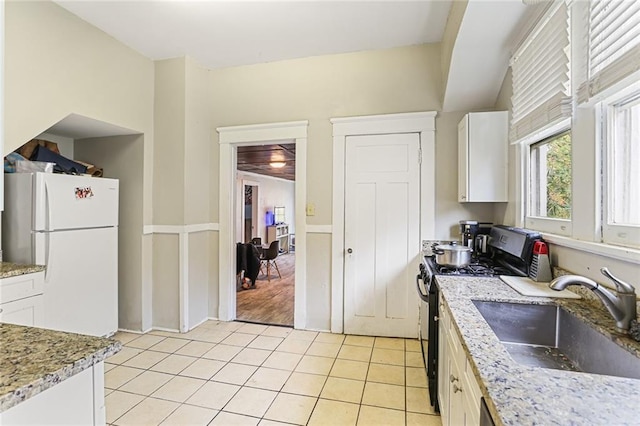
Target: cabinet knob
x=452, y=378
x=456, y=389
x=349, y=250
x=436, y=318
x=463, y=197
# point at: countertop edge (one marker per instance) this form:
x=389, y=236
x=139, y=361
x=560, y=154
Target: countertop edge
x=518, y=394
x=9, y=269
x=53, y=378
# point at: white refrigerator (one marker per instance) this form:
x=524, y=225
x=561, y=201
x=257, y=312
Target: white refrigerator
x=70, y=225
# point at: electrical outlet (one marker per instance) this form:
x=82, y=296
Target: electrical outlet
x=311, y=209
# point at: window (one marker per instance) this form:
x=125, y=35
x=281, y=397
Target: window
x=622, y=143
x=550, y=178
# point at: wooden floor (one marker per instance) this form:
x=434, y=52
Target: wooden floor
x=270, y=302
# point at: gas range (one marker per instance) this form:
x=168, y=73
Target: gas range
x=480, y=267
x=509, y=253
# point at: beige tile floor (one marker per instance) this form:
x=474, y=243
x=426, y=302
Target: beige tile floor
x=232, y=373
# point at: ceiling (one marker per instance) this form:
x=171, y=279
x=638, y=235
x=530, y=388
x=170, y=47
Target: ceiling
x=257, y=159
x=228, y=33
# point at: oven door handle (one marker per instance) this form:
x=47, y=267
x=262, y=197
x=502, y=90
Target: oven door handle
x=423, y=296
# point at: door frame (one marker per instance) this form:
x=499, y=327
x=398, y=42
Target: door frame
x=255, y=207
x=229, y=138
x=422, y=123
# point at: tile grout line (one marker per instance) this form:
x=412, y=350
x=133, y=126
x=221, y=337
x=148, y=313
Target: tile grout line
x=334, y=358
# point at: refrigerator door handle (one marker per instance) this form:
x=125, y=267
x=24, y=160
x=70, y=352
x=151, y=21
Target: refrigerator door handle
x=47, y=253
x=48, y=210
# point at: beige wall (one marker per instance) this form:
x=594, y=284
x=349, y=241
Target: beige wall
x=318, y=88
x=448, y=210
x=169, y=142
x=182, y=177
x=454, y=20
x=57, y=64
x=120, y=157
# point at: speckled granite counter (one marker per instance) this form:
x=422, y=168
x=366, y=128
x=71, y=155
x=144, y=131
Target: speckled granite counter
x=521, y=395
x=8, y=269
x=35, y=359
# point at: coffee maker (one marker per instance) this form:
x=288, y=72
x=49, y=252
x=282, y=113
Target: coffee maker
x=475, y=235
x=468, y=232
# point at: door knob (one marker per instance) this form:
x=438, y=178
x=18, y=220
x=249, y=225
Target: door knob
x=349, y=250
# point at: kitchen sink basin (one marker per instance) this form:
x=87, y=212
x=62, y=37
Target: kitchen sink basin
x=547, y=336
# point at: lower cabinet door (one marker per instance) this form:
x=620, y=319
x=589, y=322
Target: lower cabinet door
x=28, y=311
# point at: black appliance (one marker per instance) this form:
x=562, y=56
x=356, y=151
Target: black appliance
x=509, y=253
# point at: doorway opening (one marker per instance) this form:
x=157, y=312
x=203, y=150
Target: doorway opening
x=265, y=224
x=229, y=139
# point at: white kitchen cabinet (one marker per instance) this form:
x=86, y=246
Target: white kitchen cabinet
x=21, y=299
x=78, y=400
x=443, y=363
x=482, y=157
x=458, y=391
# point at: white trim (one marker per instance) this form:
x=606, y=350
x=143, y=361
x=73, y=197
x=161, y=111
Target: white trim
x=126, y=330
x=319, y=229
x=621, y=253
x=383, y=124
x=200, y=323
x=229, y=138
x=262, y=132
x=183, y=281
x=182, y=231
x=167, y=329
x=179, y=229
x=415, y=122
x=542, y=224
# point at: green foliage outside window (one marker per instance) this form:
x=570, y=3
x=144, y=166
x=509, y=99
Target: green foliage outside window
x=559, y=177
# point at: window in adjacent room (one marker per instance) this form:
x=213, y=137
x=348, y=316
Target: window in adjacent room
x=550, y=177
x=622, y=198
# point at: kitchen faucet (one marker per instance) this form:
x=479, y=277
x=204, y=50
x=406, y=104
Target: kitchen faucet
x=621, y=304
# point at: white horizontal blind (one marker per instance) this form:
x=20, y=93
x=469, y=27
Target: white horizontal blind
x=541, y=75
x=614, y=45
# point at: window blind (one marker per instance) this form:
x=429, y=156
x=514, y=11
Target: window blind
x=541, y=74
x=613, y=45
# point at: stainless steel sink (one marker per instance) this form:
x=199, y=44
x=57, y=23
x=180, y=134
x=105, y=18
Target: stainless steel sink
x=547, y=336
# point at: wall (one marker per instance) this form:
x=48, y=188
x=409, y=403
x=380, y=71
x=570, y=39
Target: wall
x=57, y=64
x=448, y=210
x=182, y=177
x=272, y=192
x=120, y=157
x=316, y=89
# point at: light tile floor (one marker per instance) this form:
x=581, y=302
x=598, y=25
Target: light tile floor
x=233, y=373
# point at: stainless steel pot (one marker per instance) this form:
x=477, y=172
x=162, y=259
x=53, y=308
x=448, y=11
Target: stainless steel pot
x=453, y=255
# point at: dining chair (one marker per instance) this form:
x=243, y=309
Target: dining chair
x=269, y=258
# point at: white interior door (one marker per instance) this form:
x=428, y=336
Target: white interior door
x=382, y=211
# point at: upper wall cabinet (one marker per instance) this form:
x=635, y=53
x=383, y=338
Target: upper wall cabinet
x=482, y=157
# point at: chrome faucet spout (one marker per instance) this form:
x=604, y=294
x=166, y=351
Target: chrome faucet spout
x=621, y=304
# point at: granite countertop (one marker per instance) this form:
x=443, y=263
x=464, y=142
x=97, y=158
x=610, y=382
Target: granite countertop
x=8, y=269
x=34, y=359
x=521, y=395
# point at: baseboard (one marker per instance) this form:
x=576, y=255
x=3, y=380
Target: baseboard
x=125, y=330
